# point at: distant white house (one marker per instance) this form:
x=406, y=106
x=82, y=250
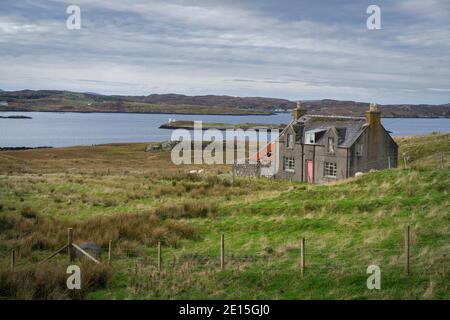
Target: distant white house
x=3, y=103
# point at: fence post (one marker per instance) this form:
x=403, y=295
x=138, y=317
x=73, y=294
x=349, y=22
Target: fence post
x=109, y=252
x=222, y=252
x=302, y=257
x=404, y=160
x=70, y=250
x=407, y=249
x=389, y=162
x=442, y=160
x=159, y=257
x=233, y=169
x=13, y=259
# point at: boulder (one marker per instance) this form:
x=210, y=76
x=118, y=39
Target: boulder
x=166, y=145
x=153, y=147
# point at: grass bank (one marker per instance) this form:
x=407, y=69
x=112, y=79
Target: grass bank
x=137, y=198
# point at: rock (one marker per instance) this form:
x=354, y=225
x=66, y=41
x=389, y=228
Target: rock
x=90, y=247
x=358, y=174
x=291, y=188
x=153, y=147
x=166, y=145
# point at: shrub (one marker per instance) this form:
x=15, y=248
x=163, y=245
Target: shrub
x=28, y=212
x=48, y=281
x=46, y=233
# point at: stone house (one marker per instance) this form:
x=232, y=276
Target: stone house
x=317, y=148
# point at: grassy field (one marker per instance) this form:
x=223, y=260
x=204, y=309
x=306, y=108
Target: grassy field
x=136, y=199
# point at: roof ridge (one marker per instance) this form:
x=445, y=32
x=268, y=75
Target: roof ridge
x=333, y=116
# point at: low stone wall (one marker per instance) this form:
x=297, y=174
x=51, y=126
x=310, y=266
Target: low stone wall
x=247, y=170
x=250, y=170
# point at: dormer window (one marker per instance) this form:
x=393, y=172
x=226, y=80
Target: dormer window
x=289, y=141
x=330, y=145
x=310, y=137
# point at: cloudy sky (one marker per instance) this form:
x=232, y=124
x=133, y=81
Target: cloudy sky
x=290, y=49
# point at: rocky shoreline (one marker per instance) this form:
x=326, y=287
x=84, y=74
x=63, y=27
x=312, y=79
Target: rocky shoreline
x=15, y=117
x=23, y=148
x=189, y=125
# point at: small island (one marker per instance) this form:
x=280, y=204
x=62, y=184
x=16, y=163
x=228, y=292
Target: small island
x=15, y=117
x=189, y=125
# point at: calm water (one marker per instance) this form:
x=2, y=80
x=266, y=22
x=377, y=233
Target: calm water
x=69, y=129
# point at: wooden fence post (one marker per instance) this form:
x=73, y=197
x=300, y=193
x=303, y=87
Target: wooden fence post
x=13, y=259
x=222, y=252
x=407, y=249
x=233, y=169
x=404, y=161
x=159, y=257
x=442, y=160
x=70, y=250
x=109, y=252
x=302, y=257
x=389, y=162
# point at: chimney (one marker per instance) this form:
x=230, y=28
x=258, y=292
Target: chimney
x=298, y=112
x=373, y=116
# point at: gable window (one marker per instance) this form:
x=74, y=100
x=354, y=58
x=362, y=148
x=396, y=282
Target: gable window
x=289, y=141
x=289, y=164
x=330, y=145
x=330, y=169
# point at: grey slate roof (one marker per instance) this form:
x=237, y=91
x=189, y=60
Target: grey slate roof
x=348, y=128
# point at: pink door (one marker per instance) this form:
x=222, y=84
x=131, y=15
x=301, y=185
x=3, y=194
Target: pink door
x=309, y=171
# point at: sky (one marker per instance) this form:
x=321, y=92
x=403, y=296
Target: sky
x=292, y=49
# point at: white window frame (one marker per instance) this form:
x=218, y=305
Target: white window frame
x=330, y=169
x=289, y=164
x=330, y=146
x=310, y=137
x=359, y=149
x=289, y=141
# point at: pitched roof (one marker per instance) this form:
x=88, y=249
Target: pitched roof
x=348, y=128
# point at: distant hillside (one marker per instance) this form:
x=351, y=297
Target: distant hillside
x=52, y=100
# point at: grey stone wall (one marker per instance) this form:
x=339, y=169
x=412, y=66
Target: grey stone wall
x=247, y=170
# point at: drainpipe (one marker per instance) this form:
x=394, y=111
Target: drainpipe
x=303, y=163
x=314, y=164
x=348, y=165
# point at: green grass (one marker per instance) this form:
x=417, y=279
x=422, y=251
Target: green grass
x=347, y=225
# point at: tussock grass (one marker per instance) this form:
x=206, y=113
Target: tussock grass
x=140, y=199
x=48, y=281
x=43, y=233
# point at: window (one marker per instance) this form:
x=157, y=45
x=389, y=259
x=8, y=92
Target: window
x=330, y=169
x=289, y=164
x=330, y=145
x=310, y=137
x=359, y=149
x=289, y=140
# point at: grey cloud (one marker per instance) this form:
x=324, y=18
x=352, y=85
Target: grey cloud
x=283, y=48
